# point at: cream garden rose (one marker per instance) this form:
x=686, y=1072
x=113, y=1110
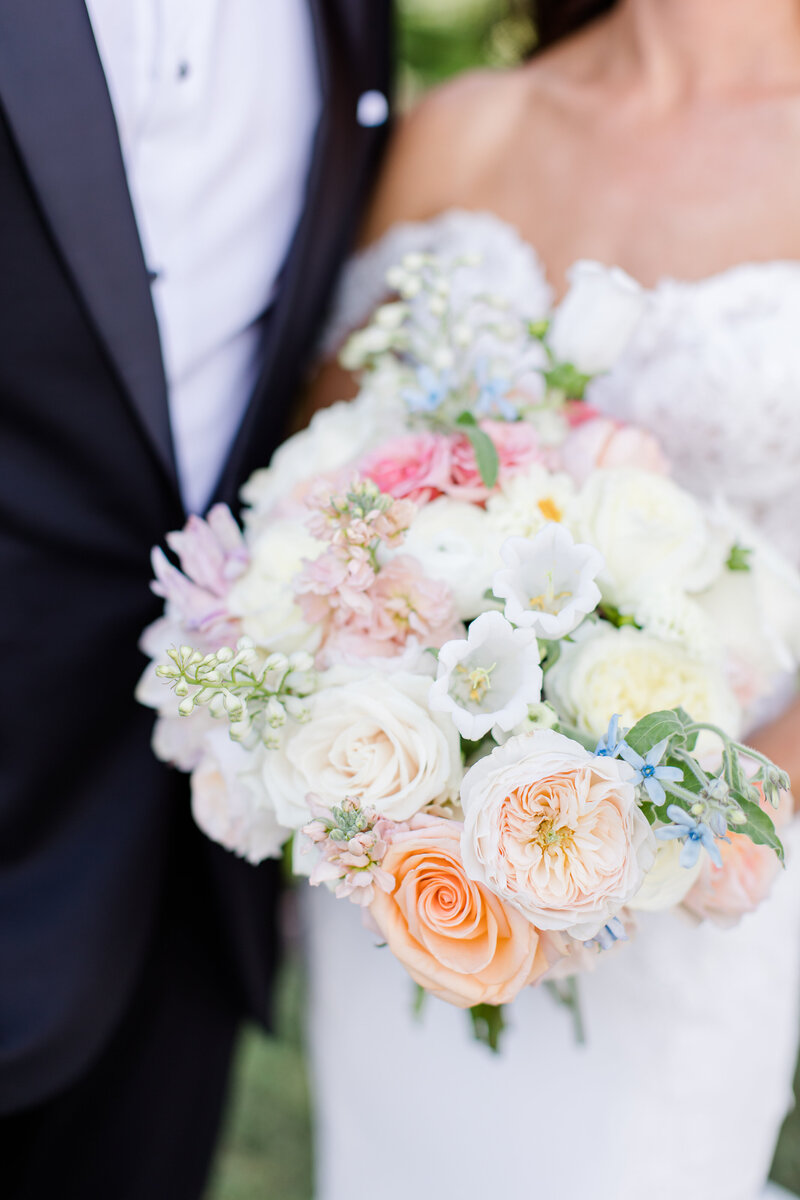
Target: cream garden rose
x=263, y=598
x=454, y=936
x=556, y=832
x=650, y=532
x=370, y=738
x=607, y=670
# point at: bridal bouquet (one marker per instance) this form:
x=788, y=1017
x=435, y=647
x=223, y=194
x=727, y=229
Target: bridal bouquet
x=477, y=654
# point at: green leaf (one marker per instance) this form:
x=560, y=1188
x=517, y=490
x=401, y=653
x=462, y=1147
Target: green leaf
x=739, y=558
x=485, y=453
x=615, y=617
x=759, y=827
x=566, y=378
x=488, y=1023
x=670, y=723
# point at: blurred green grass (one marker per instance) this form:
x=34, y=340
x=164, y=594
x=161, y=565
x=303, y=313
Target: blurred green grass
x=266, y=1145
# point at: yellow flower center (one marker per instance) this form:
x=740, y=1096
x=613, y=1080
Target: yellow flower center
x=549, y=509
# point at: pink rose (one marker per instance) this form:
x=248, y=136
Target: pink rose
x=415, y=467
x=517, y=445
x=453, y=936
x=603, y=443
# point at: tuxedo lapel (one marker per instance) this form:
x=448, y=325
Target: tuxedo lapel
x=56, y=99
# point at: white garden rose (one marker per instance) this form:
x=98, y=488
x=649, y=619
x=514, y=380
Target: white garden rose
x=229, y=802
x=597, y=317
x=668, y=882
x=556, y=832
x=626, y=671
x=651, y=533
x=371, y=738
x=455, y=543
x=264, y=596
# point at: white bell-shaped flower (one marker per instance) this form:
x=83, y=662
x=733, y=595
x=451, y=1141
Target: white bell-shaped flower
x=548, y=582
x=490, y=678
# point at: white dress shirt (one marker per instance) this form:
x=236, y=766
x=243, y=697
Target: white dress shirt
x=216, y=103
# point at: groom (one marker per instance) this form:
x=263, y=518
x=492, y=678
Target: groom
x=179, y=183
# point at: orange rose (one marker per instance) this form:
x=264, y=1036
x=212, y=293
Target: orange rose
x=454, y=937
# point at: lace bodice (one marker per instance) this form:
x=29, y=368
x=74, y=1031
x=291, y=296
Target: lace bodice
x=712, y=367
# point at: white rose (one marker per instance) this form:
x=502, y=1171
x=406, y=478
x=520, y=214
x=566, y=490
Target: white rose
x=229, y=803
x=667, y=883
x=556, y=832
x=604, y=671
x=651, y=533
x=264, y=598
x=597, y=317
x=371, y=738
x=455, y=543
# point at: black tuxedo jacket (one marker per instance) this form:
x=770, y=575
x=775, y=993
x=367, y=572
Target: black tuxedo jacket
x=87, y=486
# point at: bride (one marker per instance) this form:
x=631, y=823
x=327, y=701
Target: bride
x=660, y=138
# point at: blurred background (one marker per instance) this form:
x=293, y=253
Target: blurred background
x=266, y=1146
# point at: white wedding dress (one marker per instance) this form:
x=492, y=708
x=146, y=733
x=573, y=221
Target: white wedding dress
x=685, y=1078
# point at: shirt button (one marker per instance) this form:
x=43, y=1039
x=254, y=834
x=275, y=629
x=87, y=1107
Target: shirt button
x=183, y=70
x=372, y=109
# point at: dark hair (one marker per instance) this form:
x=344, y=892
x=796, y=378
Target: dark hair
x=556, y=19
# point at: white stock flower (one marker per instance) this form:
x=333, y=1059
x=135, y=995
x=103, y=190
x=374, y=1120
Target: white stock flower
x=605, y=670
x=548, y=583
x=369, y=738
x=176, y=740
x=667, y=882
x=455, y=543
x=555, y=831
x=229, y=802
x=264, y=596
x=651, y=533
x=597, y=317
x=489, y=679
x=526, y=501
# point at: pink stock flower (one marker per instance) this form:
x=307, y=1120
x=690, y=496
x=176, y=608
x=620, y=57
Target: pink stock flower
x=602, y=443
x=517, y=445
x=414, y=467
x=403, y=604
x=352, y=842
x=212, y=555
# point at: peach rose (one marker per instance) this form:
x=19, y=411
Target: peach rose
x=555, y=831
x=600, y=442
x=723, y=895
x=454, y=937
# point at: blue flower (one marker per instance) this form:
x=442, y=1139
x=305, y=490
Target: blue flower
x=493, y=395
x=431, y=391
x=695, y=833
x=611, y=933
x=610, y=745
x=648, y=772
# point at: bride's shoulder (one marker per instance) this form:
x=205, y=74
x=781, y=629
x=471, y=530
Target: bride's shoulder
x=446, y=149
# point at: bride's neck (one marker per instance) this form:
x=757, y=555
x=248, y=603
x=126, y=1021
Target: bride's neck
x=681, y=48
